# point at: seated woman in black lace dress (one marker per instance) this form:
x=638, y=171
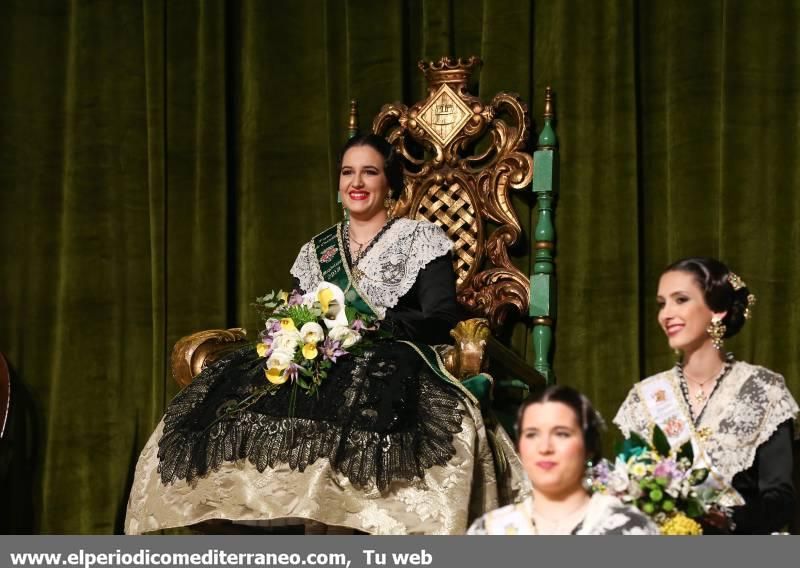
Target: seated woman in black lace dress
x=390, y=443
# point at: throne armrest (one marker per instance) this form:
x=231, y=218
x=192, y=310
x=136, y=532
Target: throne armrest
x=194, y=352
x=475, y=346
x=526, y=379
x=466, y=358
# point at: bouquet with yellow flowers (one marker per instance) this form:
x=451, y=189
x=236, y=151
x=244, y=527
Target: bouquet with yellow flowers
x=305, y=334
x=661, y=482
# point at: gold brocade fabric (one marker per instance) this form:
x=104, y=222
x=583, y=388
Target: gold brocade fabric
x=445, y=502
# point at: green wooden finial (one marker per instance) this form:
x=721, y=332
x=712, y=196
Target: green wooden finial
x=547, y=137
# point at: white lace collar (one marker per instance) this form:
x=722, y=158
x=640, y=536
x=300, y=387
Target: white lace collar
x=745, y=410
x=390, y=267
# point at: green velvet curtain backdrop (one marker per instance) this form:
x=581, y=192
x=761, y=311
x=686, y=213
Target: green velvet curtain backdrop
x=161, y=162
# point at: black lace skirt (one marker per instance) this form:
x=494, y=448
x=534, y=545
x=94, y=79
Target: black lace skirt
x=378, y=417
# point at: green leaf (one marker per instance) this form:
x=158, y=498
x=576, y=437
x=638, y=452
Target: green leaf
x=303, y=383
x=694, y=508
x=636, y=441
x=660, y=441
x=687, y=452
x=698, y=476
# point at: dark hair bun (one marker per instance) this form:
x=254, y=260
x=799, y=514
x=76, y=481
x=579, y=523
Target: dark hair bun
x=738, y=312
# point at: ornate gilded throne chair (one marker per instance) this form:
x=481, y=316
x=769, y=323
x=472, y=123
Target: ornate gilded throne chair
x=464, y=157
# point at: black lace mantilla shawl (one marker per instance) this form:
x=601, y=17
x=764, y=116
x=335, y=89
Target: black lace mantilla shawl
x=379, y=417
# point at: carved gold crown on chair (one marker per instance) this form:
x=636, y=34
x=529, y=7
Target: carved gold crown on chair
x=461, y=189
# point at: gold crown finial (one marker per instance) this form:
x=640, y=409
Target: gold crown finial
x=454, y=71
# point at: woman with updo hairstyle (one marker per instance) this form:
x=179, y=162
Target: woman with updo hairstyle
x=739, y=417
x=559, y=437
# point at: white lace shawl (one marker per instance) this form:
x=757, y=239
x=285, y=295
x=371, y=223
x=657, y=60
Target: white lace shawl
x=390, y=267
x=745, y=410
x=604, y=515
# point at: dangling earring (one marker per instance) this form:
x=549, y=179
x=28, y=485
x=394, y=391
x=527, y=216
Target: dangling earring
x=388, y=204
x=716, y=329
x=588, y=477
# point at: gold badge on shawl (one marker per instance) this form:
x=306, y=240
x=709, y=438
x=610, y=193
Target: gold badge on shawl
x=704, y=433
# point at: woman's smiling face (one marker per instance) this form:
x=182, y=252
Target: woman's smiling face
x=363, y=185
x=683, y=313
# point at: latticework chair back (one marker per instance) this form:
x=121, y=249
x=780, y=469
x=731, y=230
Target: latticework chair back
x=463, y=157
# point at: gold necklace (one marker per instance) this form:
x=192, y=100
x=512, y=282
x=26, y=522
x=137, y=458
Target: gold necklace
x=701, y=396
x=363, y=249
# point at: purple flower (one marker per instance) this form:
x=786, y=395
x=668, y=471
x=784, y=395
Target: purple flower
x=295, y=298
x=292, y=371
x=601, y=472
x=361, y=325
x=331, y=349
x=667, y=468
x=272, y=326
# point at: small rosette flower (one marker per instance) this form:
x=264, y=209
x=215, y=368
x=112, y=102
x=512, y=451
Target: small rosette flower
x=287, y=340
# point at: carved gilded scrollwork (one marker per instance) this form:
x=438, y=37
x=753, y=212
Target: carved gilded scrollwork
x=466, y=358
x=450, y=182
x=193, y=353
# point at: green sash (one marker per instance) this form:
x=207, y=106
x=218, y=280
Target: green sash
x=435, y=363
x=328, y=248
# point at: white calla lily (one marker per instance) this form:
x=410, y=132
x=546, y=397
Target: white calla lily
x=312, y=332
x=331, y=301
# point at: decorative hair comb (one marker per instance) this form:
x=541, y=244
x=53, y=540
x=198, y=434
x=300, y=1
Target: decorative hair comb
x=737, y=283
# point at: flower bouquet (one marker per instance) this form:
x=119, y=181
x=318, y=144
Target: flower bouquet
x=305, y=334
x=661, y=482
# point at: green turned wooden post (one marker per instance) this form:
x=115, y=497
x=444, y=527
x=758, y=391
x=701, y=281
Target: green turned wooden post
x=543, y=284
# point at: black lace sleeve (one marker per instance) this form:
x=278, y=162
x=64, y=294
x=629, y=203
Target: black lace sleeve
x=429, y=310
x=767, y=486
